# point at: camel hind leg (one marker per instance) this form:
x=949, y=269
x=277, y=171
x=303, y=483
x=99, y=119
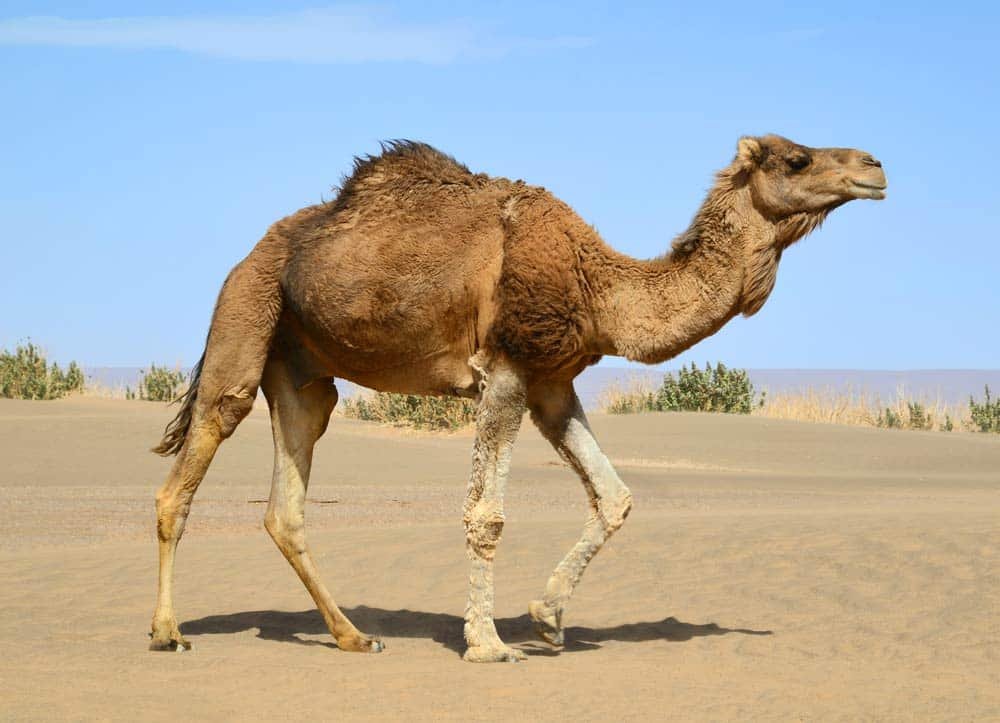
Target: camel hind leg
x=217, y=411
x=221, y=394
x=173, y=502
x=298, y=419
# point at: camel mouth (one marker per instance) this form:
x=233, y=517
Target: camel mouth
x=865, y=189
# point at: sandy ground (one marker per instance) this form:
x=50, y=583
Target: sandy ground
x=769, y=570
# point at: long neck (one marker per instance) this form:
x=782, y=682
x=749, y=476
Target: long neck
x=724, y=264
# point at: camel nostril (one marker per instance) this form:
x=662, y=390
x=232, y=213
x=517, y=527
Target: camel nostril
x=871, y=161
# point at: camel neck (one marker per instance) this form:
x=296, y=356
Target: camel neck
x=651, y=311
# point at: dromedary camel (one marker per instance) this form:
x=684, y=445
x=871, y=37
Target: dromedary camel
x=425, y=278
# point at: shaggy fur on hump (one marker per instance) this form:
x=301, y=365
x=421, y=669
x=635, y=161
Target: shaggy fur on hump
x=401, y=161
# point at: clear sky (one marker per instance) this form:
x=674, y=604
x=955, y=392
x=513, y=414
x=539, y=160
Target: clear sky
x=147, y=146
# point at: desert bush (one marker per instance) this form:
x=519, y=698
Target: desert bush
x=25, y=374
x=907, y=415
x=411, y=410
x=712, y=389
x=889, y=419
x=717, y=389
x=919, y=416
x=158, y=384
x=985, y=415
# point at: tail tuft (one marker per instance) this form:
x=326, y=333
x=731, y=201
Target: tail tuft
x=176, y=431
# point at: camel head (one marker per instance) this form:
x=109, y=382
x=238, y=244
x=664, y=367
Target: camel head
x=785, y=178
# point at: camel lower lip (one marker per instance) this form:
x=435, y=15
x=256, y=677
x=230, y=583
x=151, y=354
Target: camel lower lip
x=869, y=190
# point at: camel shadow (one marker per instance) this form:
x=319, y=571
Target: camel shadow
x=445, y=629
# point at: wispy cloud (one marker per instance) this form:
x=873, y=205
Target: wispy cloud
x=353, y=34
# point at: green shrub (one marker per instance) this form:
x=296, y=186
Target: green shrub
x=889, y=419
x=410, y=410
x=25, y=374
x=910, y=415
x=708, y=390
x=158, y=384
x=919, y=416
x=717, y=389
x=985, y=415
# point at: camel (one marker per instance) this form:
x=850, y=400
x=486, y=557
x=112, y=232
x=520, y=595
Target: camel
x=425, y=278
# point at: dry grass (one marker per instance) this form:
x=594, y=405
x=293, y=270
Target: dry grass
x=409, y=410
x=865, y=410
x=175, y=385
x=97, y=390
x=635, y=395
x=828, y=406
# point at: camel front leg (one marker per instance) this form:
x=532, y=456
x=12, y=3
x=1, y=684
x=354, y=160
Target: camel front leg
x=497, y=421
x=557, y=412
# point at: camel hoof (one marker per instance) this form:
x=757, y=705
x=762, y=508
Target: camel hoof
x=361, y=644
x=502, y=654
x=548, y=623
x=170, y=644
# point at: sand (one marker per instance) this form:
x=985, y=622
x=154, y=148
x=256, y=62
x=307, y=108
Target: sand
x=769, y=570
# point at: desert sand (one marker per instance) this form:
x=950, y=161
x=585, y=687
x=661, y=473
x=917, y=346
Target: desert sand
x=769, y=570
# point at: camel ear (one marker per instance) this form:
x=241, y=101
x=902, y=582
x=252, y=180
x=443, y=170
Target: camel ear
x=749, y=150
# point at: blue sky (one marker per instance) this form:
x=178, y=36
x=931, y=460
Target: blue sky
x=147, y=146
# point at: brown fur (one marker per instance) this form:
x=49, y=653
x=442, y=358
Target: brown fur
x=421, y=274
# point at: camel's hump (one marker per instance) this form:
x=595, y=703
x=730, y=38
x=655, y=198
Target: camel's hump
x=401, y=160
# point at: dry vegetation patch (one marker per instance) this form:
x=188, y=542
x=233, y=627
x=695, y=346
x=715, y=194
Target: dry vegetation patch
x=865, y=410
x=729, y=390
x=411, y=410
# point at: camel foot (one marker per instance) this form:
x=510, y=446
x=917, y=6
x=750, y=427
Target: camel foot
x=548, y=622
x=361, y=644
x=489, y=654
x=170, y=643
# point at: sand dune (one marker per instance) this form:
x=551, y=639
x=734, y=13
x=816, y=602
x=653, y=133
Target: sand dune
x=769, y=570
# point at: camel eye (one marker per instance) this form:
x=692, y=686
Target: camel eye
x=798, y=161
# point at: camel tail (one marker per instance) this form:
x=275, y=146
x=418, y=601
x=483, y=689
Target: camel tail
x=176, y=431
